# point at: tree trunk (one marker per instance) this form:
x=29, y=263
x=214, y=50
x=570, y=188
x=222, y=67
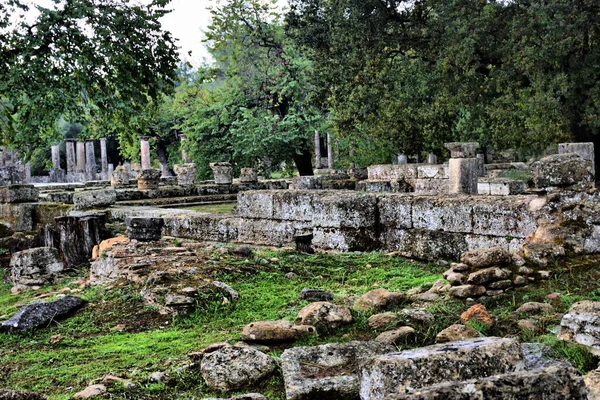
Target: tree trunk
x=303, y=160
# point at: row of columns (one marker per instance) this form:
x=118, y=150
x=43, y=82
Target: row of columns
x=318, y=157
x=81, y=159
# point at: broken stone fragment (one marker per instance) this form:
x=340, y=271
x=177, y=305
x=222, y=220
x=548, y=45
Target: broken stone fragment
x=477, y=313
x=483, y=258
x=582, y=325
x=315, y=295
x=144, y=229
x=535, y=308
x=488, y=275
x=249, y=396
x=275, y=331
x=563, y=171
x=330, y=371
x=94, y=199
x=396, y=336
x=90, y=392
x=379, y=299
x=456, y=332
x=236, y=367
x=418, y=316
x=466, y=291
x=553, y=383
x=382, y=321
x=6, y=394
x=36, y=315
x=227, y=290
x=35, y=267
x=401, y=372
x=324, y=315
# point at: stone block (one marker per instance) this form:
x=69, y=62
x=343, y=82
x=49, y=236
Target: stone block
x=397, y=373
x=294, y=205
x=94, y=199
x=19, y=194
x=424, y=244
x=442, y=214
x=585, y=150
x=248, y=175
x=186, y=174
x=330, y=371
x=345, y=239
x=552, y=383
x=255, y=204
x=463, y=175
x=432, y=186
x=504, y=217
x=435, y=171
x=202, y=227
x=462, y=149
x=563, y=171
x=20, y=216
x=119, y=177
x=374, y=186
x=37, y=315
x=35, y=267
x=269, y=232
x=144, y=228
x=347, y=184
x=222, y=172
x=395, y=210
x=582, y=325
x=347, y=210
x=389, y=172
x=500, y=186
x=148, y=179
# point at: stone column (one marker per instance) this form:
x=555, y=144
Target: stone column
x=463, y=167
x=431, y=158
x=145, y=152
x=402, y=159
x=80, y=157
x=184, y=156
x=70, y=156
x=329, y=152
x=90, y=161
x=481, y=164
x=55, y=156
x=317, y=150
x=104, y=158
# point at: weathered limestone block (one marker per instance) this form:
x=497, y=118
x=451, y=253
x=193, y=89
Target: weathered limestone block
x=236, y=367
x=324, y=315
x=582, y=325
x=343, y=210
x=308, y=182
x=328, y=371
x=563, y=171
x=442, y=214
x=395, y=211
x=553, y=383
x=374, y=186
x=256, y=204
x=78, y=235
x=456, y=332
x=585, y=150
x=462, y=149
x=186, y=174
x=94, y=199
x=248, y=175
x=464, y=174
x=6, y=394
x=432, y=186
x=488, y=257
x=466, y=291
x=19, y=194
x=339, y=184
x=396, y=373
x=275, y=331
x=119, y=177
x=424, y=244
x=500, y=186
x=36, y=315
x=222, y=172
x=504, y=217
x=20, y=216
x=345, y=239
x=144, y=229
x=476, y=242
x=297, y=205
x=436, y=171
x=148, y=179
x=379, y=299
x=358, y=174
x=389, y=172
x=35, y=267
x=268, y=232
x=203, y=227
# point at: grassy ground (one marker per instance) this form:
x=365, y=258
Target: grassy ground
x=223, y=208
x=67, y=356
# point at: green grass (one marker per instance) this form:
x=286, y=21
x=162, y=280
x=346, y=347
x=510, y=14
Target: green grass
x=223, y=208
x=89, y=349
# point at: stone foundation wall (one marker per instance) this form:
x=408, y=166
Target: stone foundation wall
x=423, y=178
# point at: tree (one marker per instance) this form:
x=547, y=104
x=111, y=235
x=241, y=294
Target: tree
x=101, y=63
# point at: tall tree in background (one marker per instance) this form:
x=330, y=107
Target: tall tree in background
x=101, y=63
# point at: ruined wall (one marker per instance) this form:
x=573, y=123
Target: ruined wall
x=423, y=178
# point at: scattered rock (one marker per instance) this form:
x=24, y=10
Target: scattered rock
x=543, y=253
x=418, y=316
x=315, y=295
x=540, y=355
x=534, y=308
x=529, y=325
x=91, y=391
x=456, y=332
x=455, y=278
x=519, y=281
x=144, y=229
x=563, y=170
x=465, y=291
x=249, y=396
x=275, y=331
x=236, y=367
x=478, y=313
x=379, y=299
x=324, y=315
x=427, y=296
x=127, y=383
x=482, y=258
x=330, y=371
x=553, y=296
x=460, y=267
x=438, y=286
x=227, y=290
x=487, y=275
x=291, y=276
x=582, y=325
x=158, y=377
x=35, y=267
x=592, y=382
x=396, y=336
x=500, y=285
x=244, y=251
x=36, y=315
x=414, y=291
x=6, y=394
x=382, y=321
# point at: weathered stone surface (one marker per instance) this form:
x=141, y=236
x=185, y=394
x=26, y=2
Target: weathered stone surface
x=464, y=173
x=324, y=315
x=382, y=321
x=483, y=258
x=585, y=150
x=582, y=325
x=36, y=315
x=396, y=373
x=6, y=394
x=374, y=186
x=145, y=229
x=35, y=267
x=542, y=254
x=120, y=177
x=379, y=299
x=592, y=382
x=455, y=278
x=227, y=290
x=462, y=149
x=186, y=174
x=236, y=367
x=500, y=186
x=464, y=291
x=248, y=175
x=564, y=171
x=19, y=194
x=540, y=355
x=78, y=235
x=478, y=313
x=442, y=214
x=456, y=332
x=308, y=182
x=275, y=331
x=418, y=316
x=315, y=295
x=249, y=396
x=148, y=179
x=94, y=199
x=91, y=391
x=554, y=383
x=534, y=308
x=487, y=275
x=396, y=336
x=390, y=172
x=328, y=372
x=222, y=172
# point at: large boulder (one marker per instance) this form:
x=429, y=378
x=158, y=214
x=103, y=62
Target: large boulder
x=36, y=315
x=35, y=267
x=94, y=199
x=6, y=394
x=329, y=371
x=554, y=383
x=582, y=325
x=397, y=373
x=324, y=315
x=236, y=367
x=564, y=171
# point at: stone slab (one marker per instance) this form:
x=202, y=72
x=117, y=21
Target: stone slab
x=19, y=194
